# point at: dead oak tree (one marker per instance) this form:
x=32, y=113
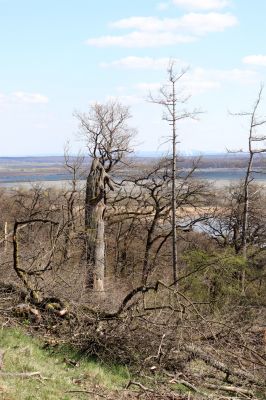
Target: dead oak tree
x=256, y=146
x=172, y=99
x=107, y=137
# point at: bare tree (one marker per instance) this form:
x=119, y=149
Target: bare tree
x=74, y=166
x=145, y=200
x=171, y=97
x=225, y=222
x=256, y=145
x=34, y=269
x=107, y=135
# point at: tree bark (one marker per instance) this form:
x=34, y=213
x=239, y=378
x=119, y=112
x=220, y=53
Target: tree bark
x=94, y=225
x=6, y=237
x=174, y=246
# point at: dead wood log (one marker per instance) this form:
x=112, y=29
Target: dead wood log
x=87, y=392
x=220, y=366
x=232, y=389
x=189, y=386
x=2, y=354
x=144, y=388
x=27, y=311
x=22, y=375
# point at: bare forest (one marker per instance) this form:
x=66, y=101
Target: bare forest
x=144, y=265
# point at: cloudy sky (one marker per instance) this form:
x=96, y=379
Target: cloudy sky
x=59, y=56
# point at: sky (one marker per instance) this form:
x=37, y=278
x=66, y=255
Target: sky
x=58, y=57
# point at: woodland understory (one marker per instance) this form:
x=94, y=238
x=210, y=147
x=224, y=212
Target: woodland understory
x=201, y=336
x=145, y=266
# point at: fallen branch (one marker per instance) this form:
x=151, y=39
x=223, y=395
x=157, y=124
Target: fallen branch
x=189, y=386
x=220, y=366
x=2, y=354
x=22, y=374
x=144, y=388
x=86, y=392
x=125, y=301
x=232, y=389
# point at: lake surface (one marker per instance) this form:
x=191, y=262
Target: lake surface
x=228, y=174
x=219, y=176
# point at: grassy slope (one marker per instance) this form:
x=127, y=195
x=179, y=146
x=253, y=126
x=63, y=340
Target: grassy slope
x=26, y=354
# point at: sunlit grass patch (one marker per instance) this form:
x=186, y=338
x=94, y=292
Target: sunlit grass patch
x=57, y=376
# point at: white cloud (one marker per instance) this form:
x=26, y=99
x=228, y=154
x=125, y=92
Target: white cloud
x=133, y=62
x=194, y=82
x=31, y=98
x=200, y=80
x=259, y=60
x=196, y=23
x=22, y=98
x=233, y=75
x=2, y=98
x=162, y=6
x=201, y=4
x=198, y=86
x=154, y=31
x=127, y=99
x=141, y=40
x=200, y=24
x=148, y=86
x=191, y=85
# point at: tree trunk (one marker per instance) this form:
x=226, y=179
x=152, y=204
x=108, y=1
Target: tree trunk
x=6, y=237
x=94, y=224
x=174, y=247
x=99, y=262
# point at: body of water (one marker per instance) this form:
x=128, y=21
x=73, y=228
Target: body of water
x=219, y=176
x=228, y=174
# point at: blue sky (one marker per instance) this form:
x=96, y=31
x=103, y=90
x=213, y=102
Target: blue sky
x=59, y=56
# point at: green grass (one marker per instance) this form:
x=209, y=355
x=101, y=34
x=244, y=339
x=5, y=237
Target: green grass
x=24, y=353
